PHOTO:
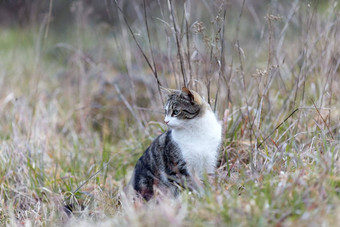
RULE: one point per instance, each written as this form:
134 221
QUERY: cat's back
160 161
153 155
146 166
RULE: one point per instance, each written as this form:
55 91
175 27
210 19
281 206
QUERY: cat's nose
166 122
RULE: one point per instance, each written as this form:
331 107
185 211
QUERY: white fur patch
199 140
167 107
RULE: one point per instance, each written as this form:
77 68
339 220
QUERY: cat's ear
187 92
194 96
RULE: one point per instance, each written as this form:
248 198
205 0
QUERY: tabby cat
188 149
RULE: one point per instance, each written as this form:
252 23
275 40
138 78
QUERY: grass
79 107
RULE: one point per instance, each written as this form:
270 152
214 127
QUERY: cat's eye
175 112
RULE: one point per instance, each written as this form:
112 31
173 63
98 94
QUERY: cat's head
182 107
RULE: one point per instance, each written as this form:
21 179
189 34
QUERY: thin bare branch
258 146
323 119
179 47
187 6
138 45
222 60
151 51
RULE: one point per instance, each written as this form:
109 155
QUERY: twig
244 87
87 180
331 89
209 72
306 58
222 66
228 81
127 104
152 56
138 45
179 49
239 19
187 15
323 119
258 146
302 69
48 18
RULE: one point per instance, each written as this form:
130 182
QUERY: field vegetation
81 99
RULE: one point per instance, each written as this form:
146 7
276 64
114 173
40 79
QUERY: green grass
54 139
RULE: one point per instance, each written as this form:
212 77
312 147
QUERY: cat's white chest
199 143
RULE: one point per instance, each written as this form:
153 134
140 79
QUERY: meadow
80 101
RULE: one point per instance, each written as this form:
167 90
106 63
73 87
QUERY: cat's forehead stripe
167 108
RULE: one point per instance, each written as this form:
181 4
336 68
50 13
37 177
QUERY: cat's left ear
186 91
167 91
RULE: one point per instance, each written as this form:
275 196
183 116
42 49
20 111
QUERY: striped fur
188 148
161 166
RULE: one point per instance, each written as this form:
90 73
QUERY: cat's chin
172 127
175 127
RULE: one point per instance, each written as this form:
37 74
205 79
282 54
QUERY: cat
188 149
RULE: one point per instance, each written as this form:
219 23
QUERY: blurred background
82 48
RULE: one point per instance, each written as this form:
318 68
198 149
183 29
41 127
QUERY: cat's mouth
169 124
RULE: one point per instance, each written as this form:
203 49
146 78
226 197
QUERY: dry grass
78 109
